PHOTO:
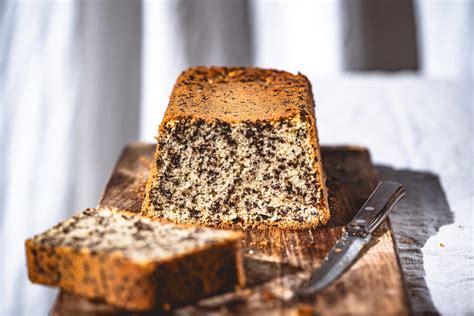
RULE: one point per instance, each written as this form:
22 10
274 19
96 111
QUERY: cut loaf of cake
238 148
135 263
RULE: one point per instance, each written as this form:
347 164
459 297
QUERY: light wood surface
277 262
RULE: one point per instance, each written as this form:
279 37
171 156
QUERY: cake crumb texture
135 263
238 148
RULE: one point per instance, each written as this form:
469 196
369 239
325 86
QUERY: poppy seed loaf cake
238 148
133 262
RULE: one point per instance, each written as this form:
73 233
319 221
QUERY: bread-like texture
135 263
258 119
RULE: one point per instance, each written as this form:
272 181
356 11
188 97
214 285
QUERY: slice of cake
238 147
133 262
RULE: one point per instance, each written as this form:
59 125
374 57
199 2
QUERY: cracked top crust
237 94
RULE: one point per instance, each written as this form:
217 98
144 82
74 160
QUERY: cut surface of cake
238 148
134 262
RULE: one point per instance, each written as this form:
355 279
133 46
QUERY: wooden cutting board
278 261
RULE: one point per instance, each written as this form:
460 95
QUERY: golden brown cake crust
236 94
244 94
139 285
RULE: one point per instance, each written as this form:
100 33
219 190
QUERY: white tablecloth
426 128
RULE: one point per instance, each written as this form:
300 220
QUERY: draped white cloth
70 93
38 152
80 79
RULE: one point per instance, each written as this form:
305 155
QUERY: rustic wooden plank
417 217
126 186
278 261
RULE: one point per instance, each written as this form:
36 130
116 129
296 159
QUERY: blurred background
79 79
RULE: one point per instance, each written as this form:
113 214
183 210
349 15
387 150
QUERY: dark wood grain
278 261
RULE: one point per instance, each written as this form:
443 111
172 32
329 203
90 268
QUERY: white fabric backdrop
446 38
71 85
38 126
70 94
